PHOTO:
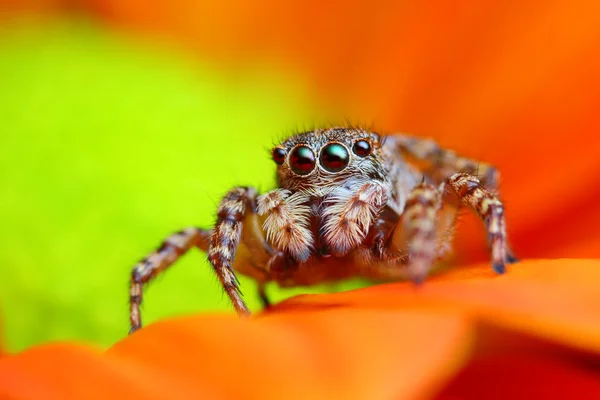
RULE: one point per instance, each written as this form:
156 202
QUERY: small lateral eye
302 160
278 155
334 157
362 148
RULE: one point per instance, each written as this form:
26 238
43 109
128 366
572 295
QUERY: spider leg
225 239
276 263
421 237
147 269
237 207
472 193
264 299
419 226
439 163
417 233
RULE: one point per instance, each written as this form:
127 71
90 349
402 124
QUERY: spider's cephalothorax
348 203
320 160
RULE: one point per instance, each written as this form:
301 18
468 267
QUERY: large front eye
302 160
334 157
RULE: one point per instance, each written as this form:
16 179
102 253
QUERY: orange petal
70 371
350 345
326 354
557 300
321 355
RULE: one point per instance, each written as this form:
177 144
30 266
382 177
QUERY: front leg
225 239
349 214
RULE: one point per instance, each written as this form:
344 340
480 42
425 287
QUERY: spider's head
325 158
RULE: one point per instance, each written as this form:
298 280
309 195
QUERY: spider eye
362 148
334 157
302 160
278 155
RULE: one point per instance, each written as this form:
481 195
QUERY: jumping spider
348 203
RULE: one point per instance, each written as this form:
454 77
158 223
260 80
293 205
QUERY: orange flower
534 332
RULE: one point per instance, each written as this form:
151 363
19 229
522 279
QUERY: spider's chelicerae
348 203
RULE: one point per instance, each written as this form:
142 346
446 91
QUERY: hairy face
326 158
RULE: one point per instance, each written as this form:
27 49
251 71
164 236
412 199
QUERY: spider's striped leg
419 229
420 238
225 239
441 163
471 192
169 251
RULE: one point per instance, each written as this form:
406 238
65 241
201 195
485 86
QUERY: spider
348 203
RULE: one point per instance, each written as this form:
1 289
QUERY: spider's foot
133 329
500 267
417 274
511 259
418 280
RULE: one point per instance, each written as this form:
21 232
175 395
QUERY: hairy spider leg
421 237
225 238
147 269
419 229
440 163
237 207
472 193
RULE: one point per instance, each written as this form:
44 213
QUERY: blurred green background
106 148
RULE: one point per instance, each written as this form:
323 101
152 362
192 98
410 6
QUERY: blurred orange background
514 83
